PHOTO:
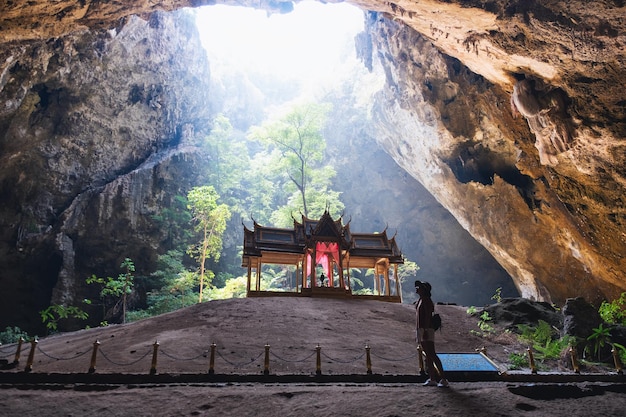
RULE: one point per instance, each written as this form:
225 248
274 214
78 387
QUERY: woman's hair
425 286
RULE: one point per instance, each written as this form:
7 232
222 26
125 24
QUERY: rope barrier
394 360
78 355
203 354
239 365
344 362
367 353
293 360
7 348
122 364
6 355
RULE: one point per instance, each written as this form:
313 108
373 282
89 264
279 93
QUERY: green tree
407 270
229 161
173 220
118 288
210 221
54 313
296 145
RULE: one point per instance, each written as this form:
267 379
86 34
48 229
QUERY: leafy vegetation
599 337
614 312
12 335
56 312
518 360
117 288
294 146
483 323
497 296
544 341
210 220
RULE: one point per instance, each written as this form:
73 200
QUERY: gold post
420 360
318 366
531 359
618 363
368 360
266 369
155 349
212 360
18 352
31 355
92 366
574 355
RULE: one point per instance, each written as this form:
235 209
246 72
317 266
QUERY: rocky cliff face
97 136
511 113
508 113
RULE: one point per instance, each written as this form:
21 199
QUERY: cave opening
305 48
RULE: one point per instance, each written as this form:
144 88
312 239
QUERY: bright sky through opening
310 42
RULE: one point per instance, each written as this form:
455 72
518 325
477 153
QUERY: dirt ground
292 329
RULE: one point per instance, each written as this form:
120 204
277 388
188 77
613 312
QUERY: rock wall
97 135
541 192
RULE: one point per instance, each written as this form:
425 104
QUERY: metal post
531 359
18 352
420 360
212 360
574 356
318 366
155 349
266 369
92 366
368 360
618 363
31 355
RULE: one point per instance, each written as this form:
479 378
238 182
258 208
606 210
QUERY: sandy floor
293 328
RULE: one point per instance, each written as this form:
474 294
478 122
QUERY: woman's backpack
436 321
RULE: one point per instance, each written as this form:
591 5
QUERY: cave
504 121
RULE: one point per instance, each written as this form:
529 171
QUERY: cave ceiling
511 113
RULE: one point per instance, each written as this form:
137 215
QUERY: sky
310 41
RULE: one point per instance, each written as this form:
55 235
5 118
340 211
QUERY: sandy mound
292 327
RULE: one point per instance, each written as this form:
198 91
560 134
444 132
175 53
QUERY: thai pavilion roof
304 233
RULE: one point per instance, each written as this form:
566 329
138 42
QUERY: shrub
12 335
543 339
614 312
518 360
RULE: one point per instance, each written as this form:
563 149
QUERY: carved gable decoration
327 228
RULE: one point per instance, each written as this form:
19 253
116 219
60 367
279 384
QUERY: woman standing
425 335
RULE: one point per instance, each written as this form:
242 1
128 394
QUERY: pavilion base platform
325 292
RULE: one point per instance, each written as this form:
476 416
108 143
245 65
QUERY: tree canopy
295 146
209 220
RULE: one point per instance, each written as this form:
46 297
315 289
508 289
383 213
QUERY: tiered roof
294 241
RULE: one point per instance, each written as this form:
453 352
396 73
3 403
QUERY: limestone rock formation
542 192
94 142
511 113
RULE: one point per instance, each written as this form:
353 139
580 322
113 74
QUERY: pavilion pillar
347 260
249 276
387 288
298 277
314 267
342 283
329 268
395 275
